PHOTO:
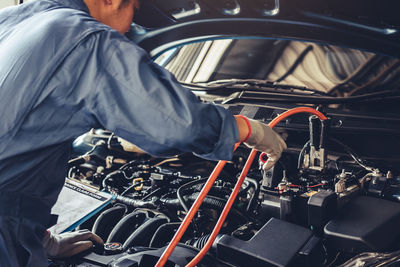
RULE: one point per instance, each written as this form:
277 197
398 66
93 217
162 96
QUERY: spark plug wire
196 205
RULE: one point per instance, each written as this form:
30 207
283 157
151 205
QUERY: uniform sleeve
143 103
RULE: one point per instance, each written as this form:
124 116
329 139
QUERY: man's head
117 14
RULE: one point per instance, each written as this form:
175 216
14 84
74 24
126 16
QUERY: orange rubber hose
196 205
189 216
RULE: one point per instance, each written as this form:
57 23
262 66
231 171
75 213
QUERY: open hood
346 52
363 24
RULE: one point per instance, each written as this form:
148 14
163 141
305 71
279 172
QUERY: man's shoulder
55 16
67 19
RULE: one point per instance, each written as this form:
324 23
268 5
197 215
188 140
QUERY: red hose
178 235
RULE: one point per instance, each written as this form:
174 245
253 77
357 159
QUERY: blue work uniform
62 73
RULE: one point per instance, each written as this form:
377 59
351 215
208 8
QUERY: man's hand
262 138
68 244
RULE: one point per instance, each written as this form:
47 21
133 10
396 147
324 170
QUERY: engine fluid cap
112 248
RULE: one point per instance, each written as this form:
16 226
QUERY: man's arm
145 104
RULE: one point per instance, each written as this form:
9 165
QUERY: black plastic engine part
180 257
137 228
93 259
107 221
377 186
384 187
292 208
142 236
164 234
286 208
126 226
322 207
278 243
312 253
364 224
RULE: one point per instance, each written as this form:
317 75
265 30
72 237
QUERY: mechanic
66 67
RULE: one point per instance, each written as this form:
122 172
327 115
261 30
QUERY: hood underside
368 25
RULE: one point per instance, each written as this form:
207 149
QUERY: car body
333 195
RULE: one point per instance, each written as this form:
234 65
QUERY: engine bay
322 204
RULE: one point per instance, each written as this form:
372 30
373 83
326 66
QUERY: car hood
362 24
364 34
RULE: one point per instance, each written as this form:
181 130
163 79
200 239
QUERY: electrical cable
301 155
317 185
109 141
152 194
131 187
183 187
353 155
193 210
166 161
111 174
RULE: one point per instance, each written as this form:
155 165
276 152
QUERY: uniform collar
74 4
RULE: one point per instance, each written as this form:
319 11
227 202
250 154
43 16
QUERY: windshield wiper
262 91
250 85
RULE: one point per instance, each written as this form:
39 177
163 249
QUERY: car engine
323 204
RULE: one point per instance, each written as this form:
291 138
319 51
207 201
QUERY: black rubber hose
179 192
209 201
110 175
137 203
155 192
254 197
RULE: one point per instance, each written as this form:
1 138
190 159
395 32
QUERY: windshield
329 69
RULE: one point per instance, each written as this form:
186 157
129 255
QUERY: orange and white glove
265 139
70 243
